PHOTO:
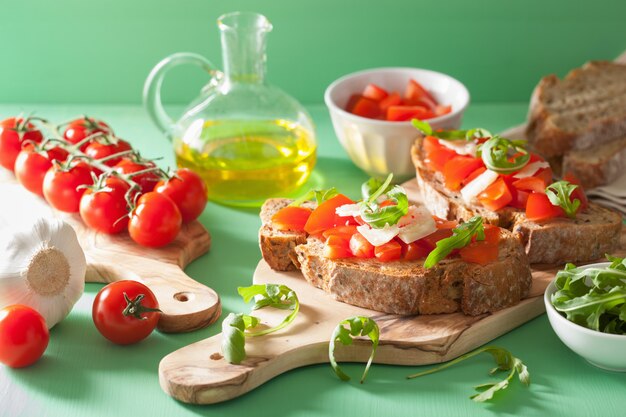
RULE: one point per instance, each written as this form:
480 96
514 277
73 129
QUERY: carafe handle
152 87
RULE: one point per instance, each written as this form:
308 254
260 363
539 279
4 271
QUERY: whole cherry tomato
147 180
79 129
62 186
24 336
187 191
105 208
125 312
32 164
102 149
155 221
14 131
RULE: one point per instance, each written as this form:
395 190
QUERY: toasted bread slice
584 110
598 166
589 236
406 287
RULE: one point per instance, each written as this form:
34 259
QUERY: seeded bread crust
588 237
407 288
586 109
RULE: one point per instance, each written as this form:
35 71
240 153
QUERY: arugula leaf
319 195
505 361
477 133
233 336
461 237
422 126
378 217
467 135
358 326
504 156
373 185
559 194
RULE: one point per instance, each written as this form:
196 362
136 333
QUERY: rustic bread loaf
597 166
589 236
584 110
406 287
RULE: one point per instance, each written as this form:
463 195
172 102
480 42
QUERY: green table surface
82 374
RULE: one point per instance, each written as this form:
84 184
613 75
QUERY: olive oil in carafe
245 162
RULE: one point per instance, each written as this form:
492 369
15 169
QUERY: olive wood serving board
198 374
186 304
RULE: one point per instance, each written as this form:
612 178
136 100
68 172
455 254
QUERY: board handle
186 304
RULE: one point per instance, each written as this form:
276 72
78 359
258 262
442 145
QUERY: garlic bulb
43 267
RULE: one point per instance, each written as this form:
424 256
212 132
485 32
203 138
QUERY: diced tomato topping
492 234
360 246
520 199
546 175
496 196
442 110
432 239
458 168
390 251
534 158
291 218
539 208
374 92
483 251
324 217
336 247
445 224
344 231
436 154
471 177
405 113
416 250
416 91
535 184
392 99
366 107
578 193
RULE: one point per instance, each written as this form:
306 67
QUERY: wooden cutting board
186 304
198 374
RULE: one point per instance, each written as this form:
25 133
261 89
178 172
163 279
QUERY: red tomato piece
436 154
480 252
405 113
442 110
392 99
416 91
361 247
417 250
14 131
539 208
336 247
471 177
24 336
106 210
155 221
535 184
458 168
345 231
188 191
496 196
63 187
578 193
32 165
374 92
364 107
291 218
324 216
432 239
390 251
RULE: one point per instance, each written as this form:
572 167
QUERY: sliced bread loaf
586 109
597 166
589 236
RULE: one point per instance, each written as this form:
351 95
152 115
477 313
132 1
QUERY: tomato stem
136 309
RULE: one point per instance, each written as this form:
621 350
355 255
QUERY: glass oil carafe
248 140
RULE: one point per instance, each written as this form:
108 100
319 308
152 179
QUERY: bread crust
586 238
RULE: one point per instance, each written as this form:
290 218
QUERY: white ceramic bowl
606 351
379 147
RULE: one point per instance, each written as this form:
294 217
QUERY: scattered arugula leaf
373 185
477 133
235 327
358 326
461 237
504 156
505 361
319 195
422 126
467 135
559 193
378 216
594 297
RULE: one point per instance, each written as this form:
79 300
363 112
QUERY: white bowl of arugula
586 307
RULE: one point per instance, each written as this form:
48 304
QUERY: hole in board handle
183 297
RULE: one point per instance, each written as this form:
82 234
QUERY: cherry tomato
336 247
390 251
106 210
287 218
32 164
147 181
99 150
62 186
24 336
155 221
79 129
189 193
361 247
14 131
125 312
324 216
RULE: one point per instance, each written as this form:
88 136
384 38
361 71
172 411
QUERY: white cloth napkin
611 195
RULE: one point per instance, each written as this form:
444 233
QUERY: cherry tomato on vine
105 208
62 186
125 312
14 131
79 129
32 164
24 336
99 150
187 191
147 180
155 221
